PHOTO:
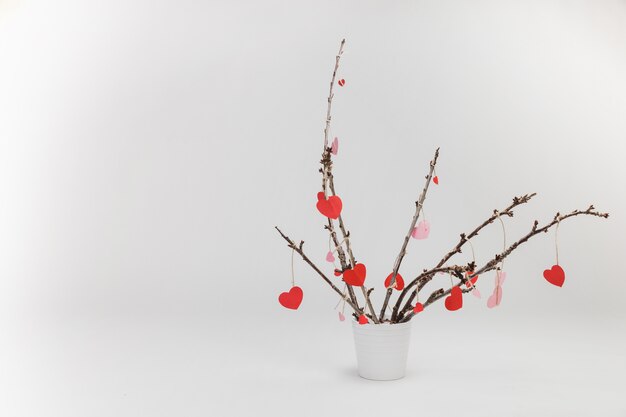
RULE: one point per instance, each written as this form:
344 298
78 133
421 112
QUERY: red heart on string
418 308
291 299
455 300
337 273
363 319
436 180
330 207
341 82
399 284
472 280
555 275
355 276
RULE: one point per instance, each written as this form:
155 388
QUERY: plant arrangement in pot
382 335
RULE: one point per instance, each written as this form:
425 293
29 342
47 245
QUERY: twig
508 211
300 251
418 208
492 264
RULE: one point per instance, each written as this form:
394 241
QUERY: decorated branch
347 277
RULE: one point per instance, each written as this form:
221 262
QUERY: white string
503 237
556 239
293 279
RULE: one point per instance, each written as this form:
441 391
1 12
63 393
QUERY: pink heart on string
476 293
334 148
330 257
495 298
341 316
422 230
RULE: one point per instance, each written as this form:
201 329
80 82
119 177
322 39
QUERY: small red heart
472 280
337 273
330 207
291 299
436 180
363 319
398 285
341 82
455 300
555 275
355 276
418 307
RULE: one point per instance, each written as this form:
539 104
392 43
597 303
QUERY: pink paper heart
422 230
495 298
476 293
341 316
334 147
330 257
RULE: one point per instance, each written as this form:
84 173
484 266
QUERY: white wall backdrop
147 150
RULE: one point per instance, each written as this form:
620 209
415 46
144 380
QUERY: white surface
148 148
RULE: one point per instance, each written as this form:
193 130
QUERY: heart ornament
355 276
422 230
555 275
398 285
330 257
291 299
334 147
363 319
419 307
329 207
454 301
341 316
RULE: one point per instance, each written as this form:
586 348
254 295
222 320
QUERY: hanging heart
291 299
341 316
476 293
330 207
334 147
500 277
455 300
330 257
471 281
495 298
337 273
436 180
422 230
555 275
341 82
399 284
355 276
419 307
363 319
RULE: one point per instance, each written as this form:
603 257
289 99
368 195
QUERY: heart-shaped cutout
330 207
495 298
419 307
398 285
355 276
454 301
291 299
341 316
337 273
363 319
341 82
436 180
500 277
476 293
334 147
422 230
470 282
555 275
330 257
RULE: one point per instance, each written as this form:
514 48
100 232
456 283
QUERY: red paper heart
363 319
330 207
455 300
341 82
472 280
399 284
355 276
337 273
555 275
418 307
291 299
436 180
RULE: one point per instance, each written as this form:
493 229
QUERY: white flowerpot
382 349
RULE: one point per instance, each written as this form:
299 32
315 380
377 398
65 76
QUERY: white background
147 149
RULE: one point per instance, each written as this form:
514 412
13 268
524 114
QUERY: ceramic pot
382 349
